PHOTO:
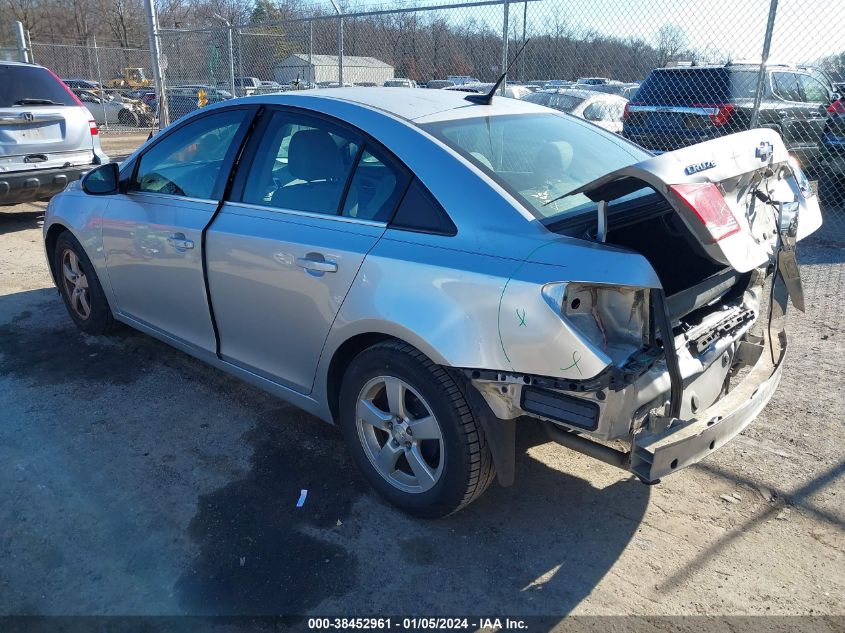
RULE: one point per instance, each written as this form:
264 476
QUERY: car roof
420 106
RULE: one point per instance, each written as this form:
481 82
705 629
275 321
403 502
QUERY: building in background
323 68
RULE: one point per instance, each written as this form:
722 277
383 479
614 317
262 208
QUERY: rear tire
411 431
80 287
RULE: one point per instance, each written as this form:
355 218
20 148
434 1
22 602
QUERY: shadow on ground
539 547
12 221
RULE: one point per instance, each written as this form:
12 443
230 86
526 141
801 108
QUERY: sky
805 30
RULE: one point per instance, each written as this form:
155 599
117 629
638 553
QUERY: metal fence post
23 53
339 42
100 81
340 51
158 75
240 55
231 60
505 10
522 76
761 77
311 79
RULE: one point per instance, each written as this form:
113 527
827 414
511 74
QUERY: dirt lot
136 480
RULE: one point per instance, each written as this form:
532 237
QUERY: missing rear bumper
670 444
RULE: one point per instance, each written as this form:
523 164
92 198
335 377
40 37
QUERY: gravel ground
136 480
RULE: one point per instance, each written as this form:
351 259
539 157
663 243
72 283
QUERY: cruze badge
689 170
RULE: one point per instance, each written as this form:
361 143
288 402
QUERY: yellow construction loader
132 78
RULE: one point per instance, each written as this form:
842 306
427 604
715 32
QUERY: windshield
538 157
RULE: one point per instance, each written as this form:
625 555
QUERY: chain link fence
113 82
663 73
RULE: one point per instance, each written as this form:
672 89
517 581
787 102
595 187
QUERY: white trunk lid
754 176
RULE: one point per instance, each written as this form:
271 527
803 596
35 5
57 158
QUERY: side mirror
102 181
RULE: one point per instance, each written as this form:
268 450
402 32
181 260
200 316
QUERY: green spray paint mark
521 317
502 296
576 358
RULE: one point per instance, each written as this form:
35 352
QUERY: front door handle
180 242
320 265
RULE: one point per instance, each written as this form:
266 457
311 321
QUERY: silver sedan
431 272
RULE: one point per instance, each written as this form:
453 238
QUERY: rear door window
786 86
302 163
376 187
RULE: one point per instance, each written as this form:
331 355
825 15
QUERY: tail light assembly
709 205
718 113
837 107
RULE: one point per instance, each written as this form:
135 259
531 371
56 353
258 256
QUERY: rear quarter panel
469 310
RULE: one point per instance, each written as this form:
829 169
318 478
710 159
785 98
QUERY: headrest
553 159
313 155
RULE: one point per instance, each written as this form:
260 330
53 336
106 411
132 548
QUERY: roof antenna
488 98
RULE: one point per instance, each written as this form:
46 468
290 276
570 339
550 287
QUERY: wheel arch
50 239
501 434
341 359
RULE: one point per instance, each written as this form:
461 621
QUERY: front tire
412 433
80 287
126 117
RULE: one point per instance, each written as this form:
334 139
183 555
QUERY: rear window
694 86
29 85
539 158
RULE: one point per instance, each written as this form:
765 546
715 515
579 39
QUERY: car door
152 233
310 199
792 110
816 98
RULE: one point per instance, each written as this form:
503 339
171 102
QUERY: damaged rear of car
652 377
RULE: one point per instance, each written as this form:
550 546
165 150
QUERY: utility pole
158 75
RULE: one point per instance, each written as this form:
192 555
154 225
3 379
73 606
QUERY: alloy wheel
400 435
76 284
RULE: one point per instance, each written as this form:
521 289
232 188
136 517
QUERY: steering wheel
156 183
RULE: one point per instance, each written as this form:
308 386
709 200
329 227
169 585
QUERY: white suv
47 137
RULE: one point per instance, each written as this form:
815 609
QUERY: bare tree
671 41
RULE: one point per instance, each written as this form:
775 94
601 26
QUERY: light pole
231 52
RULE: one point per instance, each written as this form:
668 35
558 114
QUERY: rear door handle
180 242
311 262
